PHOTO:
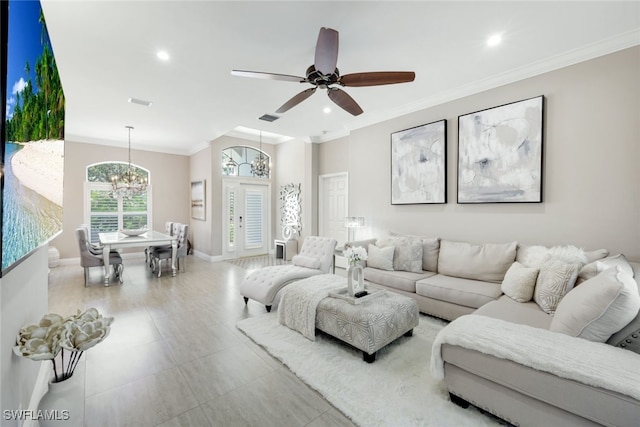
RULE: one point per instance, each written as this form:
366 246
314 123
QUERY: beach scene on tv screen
34 138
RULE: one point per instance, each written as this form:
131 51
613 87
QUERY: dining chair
181 231
89 258
169 229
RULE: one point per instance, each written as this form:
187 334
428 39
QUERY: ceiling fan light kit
324 74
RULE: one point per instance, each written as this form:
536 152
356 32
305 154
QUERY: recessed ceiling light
163 55
326 110
494 40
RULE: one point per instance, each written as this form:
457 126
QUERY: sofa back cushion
487 262
599 307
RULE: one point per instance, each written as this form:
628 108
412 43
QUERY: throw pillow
381 258
599 307
555 279
569 254
596 255
519 282
306 261
430 250
408 252
531 256
593 268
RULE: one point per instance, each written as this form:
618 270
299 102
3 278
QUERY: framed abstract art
500 153
419 164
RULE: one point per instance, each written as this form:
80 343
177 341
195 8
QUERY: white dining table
116 240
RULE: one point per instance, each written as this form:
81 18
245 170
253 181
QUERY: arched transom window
236 161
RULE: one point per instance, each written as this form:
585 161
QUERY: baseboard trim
210 258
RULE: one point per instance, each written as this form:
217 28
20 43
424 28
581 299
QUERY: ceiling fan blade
344 101
326 51
377 78
296 100
268 76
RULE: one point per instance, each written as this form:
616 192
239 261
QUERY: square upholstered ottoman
369 325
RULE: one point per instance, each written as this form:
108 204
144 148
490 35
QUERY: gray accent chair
158 253
315 257
92 257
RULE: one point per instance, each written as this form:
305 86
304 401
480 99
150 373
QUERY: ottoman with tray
368 323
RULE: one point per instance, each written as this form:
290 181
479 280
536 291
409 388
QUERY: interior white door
245 219
334 206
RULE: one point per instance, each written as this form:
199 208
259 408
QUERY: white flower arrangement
355 254
55 334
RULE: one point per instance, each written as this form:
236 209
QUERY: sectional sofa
538 336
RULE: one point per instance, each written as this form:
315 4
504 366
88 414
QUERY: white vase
355 279
62 404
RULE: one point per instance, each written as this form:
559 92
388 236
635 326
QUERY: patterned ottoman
370 325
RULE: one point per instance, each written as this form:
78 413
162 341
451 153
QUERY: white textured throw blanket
299 301
591 363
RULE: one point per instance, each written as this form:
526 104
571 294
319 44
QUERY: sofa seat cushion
402 280
527 313
466 292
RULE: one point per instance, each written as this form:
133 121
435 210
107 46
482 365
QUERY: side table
339 251
285 249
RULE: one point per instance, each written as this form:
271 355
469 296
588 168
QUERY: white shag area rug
396 390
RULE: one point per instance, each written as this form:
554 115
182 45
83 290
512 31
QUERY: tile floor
174 356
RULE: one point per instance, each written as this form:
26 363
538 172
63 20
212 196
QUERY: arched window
106 211
236 161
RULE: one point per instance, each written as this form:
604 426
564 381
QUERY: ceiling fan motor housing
315 77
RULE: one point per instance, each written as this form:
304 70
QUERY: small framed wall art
500 153
197 200
419 164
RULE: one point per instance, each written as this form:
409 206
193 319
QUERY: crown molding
566 59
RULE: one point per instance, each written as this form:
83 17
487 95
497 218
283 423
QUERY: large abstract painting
419 164
500 154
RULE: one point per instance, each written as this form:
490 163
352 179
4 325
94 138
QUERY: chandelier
260 166
128 184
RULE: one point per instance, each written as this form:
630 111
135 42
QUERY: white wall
24 300
200 168
591 164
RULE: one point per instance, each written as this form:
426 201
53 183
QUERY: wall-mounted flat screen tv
32 134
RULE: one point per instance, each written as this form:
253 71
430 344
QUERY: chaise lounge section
264 284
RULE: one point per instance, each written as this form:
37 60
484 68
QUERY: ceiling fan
323 74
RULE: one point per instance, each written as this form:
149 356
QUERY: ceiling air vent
140 102
269 117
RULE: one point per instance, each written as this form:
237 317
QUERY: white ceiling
106 53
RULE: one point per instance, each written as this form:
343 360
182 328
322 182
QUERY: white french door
245 225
